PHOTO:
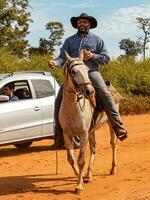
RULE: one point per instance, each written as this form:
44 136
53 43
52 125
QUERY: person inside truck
8 90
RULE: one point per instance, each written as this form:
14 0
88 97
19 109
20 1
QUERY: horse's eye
73 72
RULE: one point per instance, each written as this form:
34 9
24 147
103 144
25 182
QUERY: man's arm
61 58
102 56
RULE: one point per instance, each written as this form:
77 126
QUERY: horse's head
76 76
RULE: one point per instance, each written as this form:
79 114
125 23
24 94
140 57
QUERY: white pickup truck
32 116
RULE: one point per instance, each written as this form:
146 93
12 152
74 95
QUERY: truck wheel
23 146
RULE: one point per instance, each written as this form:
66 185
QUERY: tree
130 47
144 25
33 51
14 24
56 33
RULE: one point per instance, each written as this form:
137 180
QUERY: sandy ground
31 174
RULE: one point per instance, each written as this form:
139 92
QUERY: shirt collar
87 35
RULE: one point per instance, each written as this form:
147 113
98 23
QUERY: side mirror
4 98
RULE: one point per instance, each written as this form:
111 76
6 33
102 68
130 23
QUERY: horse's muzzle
89 91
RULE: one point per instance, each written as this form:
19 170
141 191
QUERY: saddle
98 107
121 133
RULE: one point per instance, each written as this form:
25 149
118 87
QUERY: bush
10 63
130 78
7 62
135 105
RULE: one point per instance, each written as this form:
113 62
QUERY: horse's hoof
112 172
78 191
87 179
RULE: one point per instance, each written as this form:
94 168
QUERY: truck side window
43 88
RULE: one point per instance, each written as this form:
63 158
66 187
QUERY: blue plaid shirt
90 42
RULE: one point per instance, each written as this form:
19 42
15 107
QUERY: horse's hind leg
113 142
92 145
70 154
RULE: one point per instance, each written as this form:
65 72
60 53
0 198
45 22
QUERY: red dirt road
30 174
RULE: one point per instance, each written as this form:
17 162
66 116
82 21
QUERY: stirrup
120 132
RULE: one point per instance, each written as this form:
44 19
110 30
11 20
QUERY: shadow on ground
30 183
9 152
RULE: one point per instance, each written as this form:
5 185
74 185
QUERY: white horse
76 117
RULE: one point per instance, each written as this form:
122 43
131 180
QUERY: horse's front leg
113 142
70 153
81 161
92 145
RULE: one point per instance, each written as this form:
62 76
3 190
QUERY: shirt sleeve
62 57
14 98
102 56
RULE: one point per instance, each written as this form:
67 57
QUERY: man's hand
52 64
87 55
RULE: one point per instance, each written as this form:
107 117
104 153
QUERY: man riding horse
95 54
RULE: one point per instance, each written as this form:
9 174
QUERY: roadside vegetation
132 80
129 77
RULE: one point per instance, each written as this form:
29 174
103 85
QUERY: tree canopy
133 48
130 47
47 46
14 24
144 25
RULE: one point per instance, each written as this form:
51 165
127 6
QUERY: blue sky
116 19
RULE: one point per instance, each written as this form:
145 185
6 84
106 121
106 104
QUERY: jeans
104 96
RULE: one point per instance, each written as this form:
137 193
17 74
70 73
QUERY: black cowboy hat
91 19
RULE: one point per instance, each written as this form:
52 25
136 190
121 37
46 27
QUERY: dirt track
30 174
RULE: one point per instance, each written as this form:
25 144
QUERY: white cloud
80 5
77 4
123 21
56 5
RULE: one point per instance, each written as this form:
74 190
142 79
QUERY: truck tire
23 146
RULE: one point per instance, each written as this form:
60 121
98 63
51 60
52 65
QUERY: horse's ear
81 55
68 58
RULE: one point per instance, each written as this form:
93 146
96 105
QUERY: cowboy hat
91 19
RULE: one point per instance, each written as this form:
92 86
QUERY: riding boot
105 99
120 132
58 139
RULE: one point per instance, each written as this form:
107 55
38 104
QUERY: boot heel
120 132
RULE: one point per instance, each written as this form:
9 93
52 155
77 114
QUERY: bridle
76 85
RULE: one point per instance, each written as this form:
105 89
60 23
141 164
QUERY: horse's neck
68 91
69 96
77 111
